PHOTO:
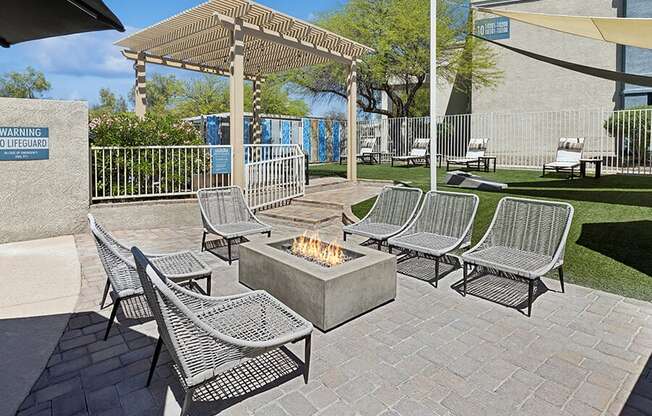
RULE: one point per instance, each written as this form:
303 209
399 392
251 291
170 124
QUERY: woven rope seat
527 238
444 223
206 336
225 213
121 271
392 211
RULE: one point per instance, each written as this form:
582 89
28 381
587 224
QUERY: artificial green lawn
610 242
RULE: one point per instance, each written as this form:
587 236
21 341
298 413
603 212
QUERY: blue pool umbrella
24 20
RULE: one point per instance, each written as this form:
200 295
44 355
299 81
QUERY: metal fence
528 140
273 173
119 173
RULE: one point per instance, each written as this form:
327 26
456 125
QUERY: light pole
433 95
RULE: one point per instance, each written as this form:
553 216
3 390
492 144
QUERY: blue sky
77 66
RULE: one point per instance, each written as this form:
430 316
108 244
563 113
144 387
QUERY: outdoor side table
596 162
184 267
486 160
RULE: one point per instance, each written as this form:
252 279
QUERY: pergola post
352 123
236 96
140 91
255 125
433 95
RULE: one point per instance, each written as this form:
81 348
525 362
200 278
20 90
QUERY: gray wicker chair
121 271
224 212
526 240
206 336
444 224
390 214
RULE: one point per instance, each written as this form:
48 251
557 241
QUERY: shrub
632 131
126 129
123 172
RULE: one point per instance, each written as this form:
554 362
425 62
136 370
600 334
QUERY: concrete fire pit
326 296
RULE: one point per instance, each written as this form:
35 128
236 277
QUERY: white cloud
85 54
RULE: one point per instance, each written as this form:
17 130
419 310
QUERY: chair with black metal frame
225 213
444 224
122 276
525 240
207 336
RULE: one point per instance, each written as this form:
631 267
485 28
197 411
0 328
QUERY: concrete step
307 215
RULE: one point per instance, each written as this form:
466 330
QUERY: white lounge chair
569 153
366 153
420 154
475 151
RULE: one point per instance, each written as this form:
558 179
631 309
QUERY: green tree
163 92
206 95
109 104
275 99
399 32
210 94
27 84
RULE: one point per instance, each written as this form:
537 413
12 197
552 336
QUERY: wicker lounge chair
474 154
526 240
224 212
420 154
569 153
206 336
121 271
444 223
366 154
391 213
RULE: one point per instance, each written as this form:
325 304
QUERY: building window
637 60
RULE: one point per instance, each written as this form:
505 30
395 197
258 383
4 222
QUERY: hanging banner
24 143
496 28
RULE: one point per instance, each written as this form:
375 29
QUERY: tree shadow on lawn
629 243
615 182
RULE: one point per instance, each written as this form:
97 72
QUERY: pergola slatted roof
273 41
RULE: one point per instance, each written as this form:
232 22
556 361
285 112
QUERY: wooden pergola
244 41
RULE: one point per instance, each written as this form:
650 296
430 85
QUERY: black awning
24 20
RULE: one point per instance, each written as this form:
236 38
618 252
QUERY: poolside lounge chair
526 240
206 336
121 271
366 154
391 213
420 154
474 153
224 212
444 223
569 153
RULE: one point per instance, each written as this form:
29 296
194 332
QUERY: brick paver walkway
430 352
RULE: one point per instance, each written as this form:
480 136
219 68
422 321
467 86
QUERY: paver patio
430 352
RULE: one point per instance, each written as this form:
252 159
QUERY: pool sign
24 143
496 28
221 160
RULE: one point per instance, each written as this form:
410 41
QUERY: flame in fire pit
313 249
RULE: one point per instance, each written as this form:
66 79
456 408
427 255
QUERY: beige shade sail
624 31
